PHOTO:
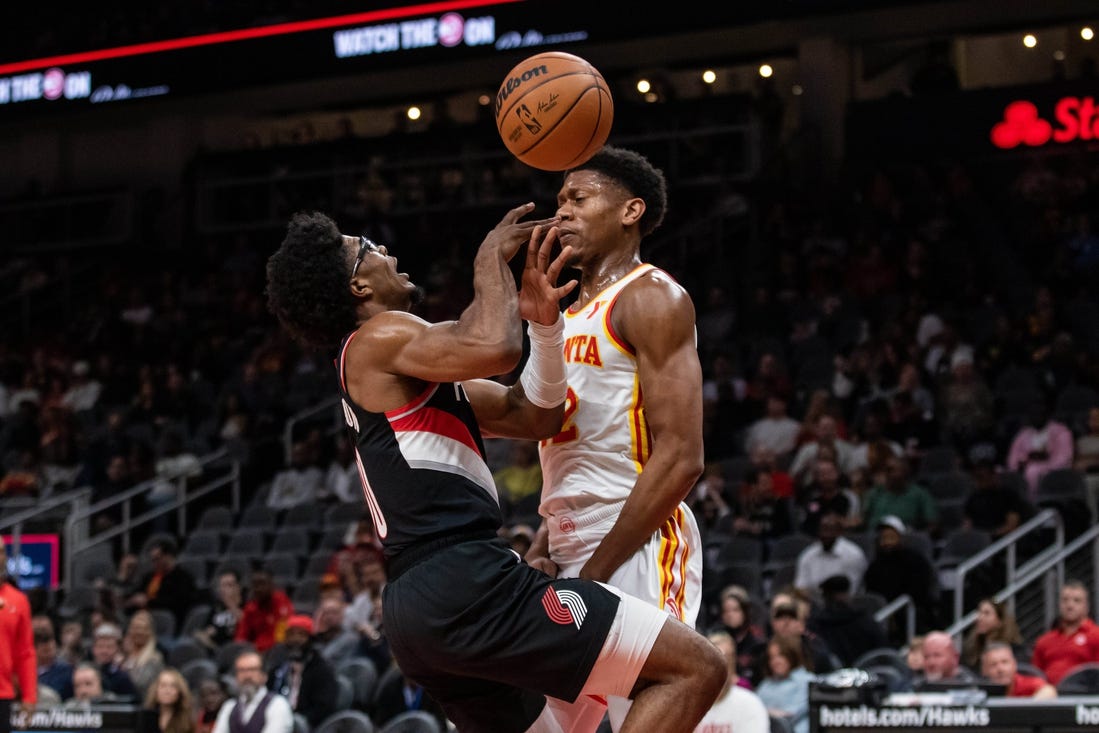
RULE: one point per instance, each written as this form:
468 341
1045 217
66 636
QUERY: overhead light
766 71
1058 55
484 100
709 76
1029 40
796 90
644 86
414 113
1087 33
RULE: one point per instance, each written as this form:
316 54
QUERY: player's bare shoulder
653 305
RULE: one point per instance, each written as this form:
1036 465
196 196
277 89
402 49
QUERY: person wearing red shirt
1074 640
17 657
263 620
998 665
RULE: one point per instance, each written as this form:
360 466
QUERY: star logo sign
1021 126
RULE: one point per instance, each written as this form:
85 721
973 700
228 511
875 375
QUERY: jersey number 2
569 431
380 527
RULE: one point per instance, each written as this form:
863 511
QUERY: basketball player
488 636
616 476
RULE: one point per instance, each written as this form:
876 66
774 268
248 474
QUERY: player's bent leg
681 679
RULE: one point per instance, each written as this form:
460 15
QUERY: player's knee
711 670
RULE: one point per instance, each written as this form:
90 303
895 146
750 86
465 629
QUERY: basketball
554 111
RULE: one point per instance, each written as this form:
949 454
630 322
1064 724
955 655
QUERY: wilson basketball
554 111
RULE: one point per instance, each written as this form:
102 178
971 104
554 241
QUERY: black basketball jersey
422 466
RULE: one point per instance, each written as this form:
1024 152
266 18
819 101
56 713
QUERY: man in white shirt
737 709
832 554
256 709
776 431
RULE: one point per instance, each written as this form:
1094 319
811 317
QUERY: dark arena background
885 212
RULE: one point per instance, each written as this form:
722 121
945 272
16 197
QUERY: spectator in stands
785 688
757 511
53 671
825 495
748 638
303 675
107 655
255 707
782 484
872 447
998 664
825 434
364 585
707 502
897 569
87 687
520 481
83 390
167 585
737 707
225 612
991 506
142 660
776 431
909 427
831 554
966 404
790 611
299 483
397 694
723 405
211 696
333 640
263 620
995 624
1086 459
342 481
1041 446
849 631
170 696
1073 640
941 662
74 648
900 497
913 658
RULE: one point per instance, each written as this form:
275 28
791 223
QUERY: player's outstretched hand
539 295
508 236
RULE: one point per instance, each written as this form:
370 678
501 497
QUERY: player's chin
416 294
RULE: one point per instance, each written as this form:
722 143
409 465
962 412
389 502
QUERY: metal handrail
1052 558
1008 542
15 522
77 538
905 602
301 416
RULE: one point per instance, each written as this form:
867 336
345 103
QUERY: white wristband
543 377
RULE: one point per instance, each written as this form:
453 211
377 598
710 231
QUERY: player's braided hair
637 175
308 282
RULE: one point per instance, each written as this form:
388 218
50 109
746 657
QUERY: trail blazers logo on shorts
564 607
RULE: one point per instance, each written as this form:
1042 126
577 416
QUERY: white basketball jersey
604 441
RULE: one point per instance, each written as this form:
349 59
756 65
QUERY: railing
305 415
77 499
901 602
78 537
1009 543
1052 558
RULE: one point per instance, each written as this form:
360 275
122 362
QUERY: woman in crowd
785 689
736 619
143 661
211 696
171 698
994 623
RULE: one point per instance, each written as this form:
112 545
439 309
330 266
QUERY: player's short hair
638 176
308 281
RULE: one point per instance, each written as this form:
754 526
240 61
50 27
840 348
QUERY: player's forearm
492 318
